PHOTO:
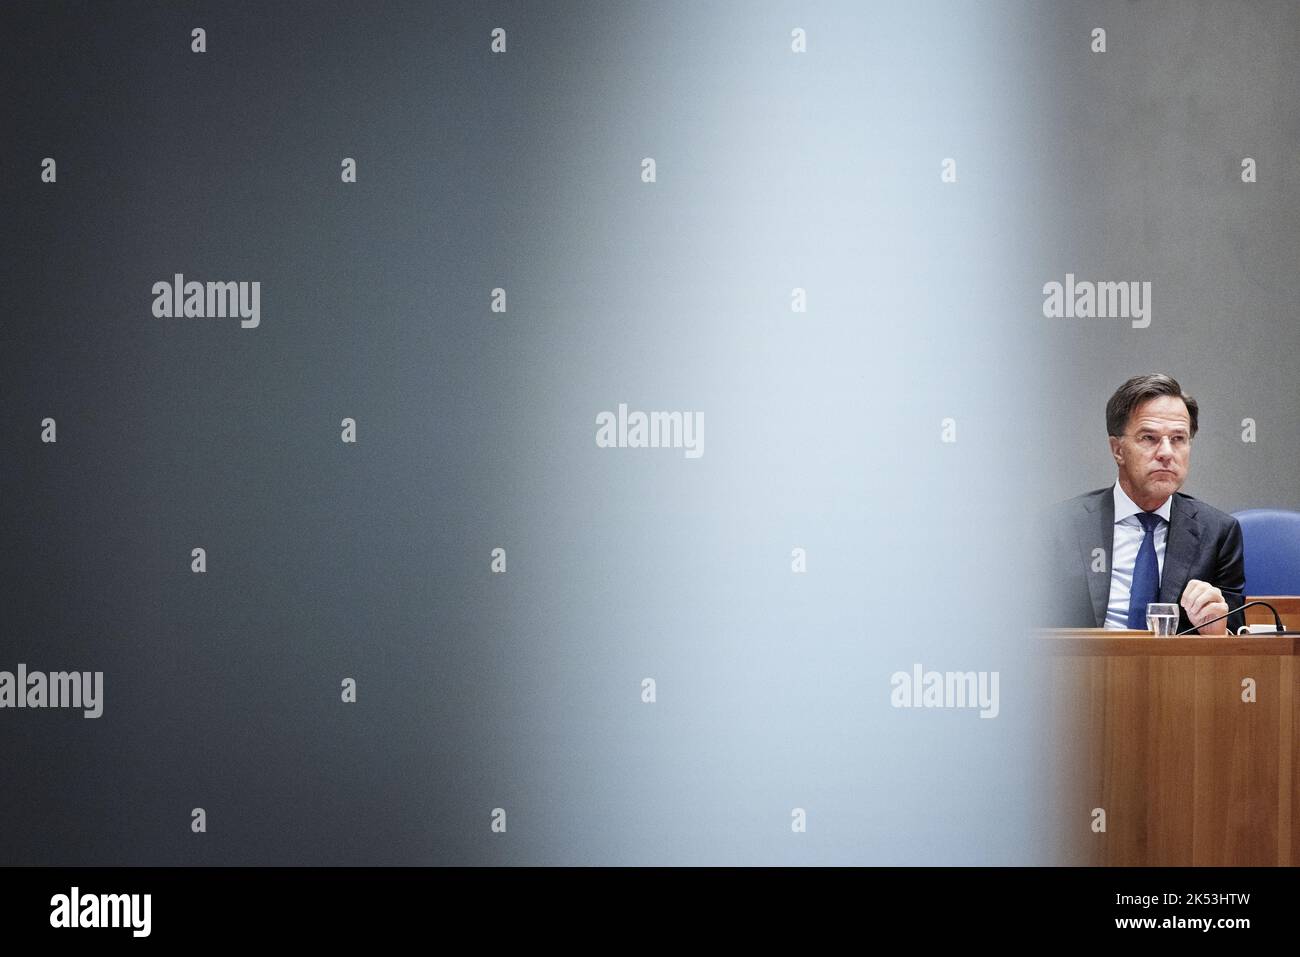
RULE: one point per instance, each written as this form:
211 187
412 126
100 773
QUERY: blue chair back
1271 540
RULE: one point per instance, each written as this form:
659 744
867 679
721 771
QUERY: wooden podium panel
1288 609
1155 732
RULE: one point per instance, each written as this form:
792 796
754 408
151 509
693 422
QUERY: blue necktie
1146 574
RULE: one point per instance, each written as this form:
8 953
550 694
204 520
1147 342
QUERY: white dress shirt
1128 539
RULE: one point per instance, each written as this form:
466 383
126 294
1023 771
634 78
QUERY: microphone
1277 619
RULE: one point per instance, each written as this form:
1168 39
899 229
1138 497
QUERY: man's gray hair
1139 389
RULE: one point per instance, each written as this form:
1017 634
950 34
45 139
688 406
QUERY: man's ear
1116 450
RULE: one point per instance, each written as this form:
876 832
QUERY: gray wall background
821 430
1151 184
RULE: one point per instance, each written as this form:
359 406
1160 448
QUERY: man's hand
1203 601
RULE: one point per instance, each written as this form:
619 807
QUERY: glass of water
1162 619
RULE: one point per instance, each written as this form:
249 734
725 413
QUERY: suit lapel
1181 548
1095 528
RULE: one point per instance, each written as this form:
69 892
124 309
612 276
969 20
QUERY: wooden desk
1155 732
1288 609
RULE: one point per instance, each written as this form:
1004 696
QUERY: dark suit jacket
1203 543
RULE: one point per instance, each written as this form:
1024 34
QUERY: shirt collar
1125 507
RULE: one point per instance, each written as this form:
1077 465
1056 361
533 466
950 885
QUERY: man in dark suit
1116 549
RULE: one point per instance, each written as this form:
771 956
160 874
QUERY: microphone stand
1277 619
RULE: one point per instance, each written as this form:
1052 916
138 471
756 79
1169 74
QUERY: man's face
1153 455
